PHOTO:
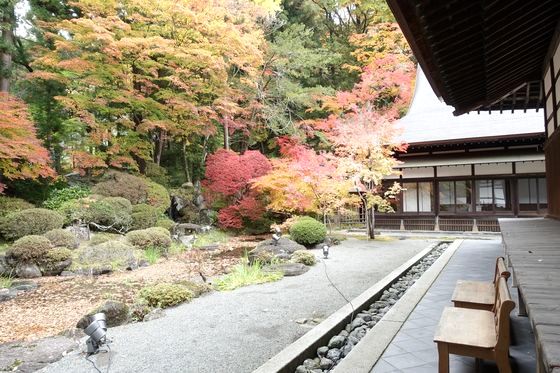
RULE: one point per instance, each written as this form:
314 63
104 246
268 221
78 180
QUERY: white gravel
238 331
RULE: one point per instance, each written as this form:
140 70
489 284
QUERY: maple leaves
228 179
21 154
139 74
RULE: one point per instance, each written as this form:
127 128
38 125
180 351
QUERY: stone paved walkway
413 350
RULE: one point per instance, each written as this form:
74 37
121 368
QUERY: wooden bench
479 295
477 333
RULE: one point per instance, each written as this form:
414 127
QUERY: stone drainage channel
339 346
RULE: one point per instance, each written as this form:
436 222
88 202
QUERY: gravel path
238 331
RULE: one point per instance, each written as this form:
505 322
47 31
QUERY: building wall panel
410 173
493 169
446 171
529 167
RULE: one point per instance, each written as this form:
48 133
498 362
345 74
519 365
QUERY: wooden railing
443 224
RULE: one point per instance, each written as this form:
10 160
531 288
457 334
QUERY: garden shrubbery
304 257
308 231
114 212
165 295
12 204
50 263
144 216
29 222
155 237
62 238
29 248
135 189
165 223
59 196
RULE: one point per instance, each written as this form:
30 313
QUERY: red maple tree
227 180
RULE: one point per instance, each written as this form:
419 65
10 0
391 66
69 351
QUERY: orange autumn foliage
22 156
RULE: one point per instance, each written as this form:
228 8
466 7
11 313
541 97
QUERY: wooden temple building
461 173
499 56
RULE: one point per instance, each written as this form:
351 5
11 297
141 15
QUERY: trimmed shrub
30 222
120 184
165 223
55 261
119 203
144 216
108 212
59 196
308 231
152 237
12 204
135 189
165 295
29 248
62 238
158 197
303 257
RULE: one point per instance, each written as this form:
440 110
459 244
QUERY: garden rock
27 270
55 269
325 363
284 246
5 268
115 312
337 341
290 269
322 351
100 259
334 354
6 294
23 285
154 314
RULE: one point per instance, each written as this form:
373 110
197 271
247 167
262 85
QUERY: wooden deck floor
533 252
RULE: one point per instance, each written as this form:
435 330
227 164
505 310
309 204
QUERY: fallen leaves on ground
59 302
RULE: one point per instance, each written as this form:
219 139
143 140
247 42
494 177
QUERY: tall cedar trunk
370 222
8 41
186 162
226 135
161 141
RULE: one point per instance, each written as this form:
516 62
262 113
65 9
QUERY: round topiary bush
62 238
144 216
308 231
120 184
155 237
136 189
12 204
55 261
303 257
165 223
109 212
30 222
166 295
29 249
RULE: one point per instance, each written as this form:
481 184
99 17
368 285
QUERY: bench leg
502 361
443 352
521 301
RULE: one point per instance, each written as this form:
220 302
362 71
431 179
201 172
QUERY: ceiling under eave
481 55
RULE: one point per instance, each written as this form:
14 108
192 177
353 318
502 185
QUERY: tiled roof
431 120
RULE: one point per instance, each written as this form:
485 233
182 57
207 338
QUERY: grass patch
211 238
6 282
177 248
245 274
152 254
4 246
